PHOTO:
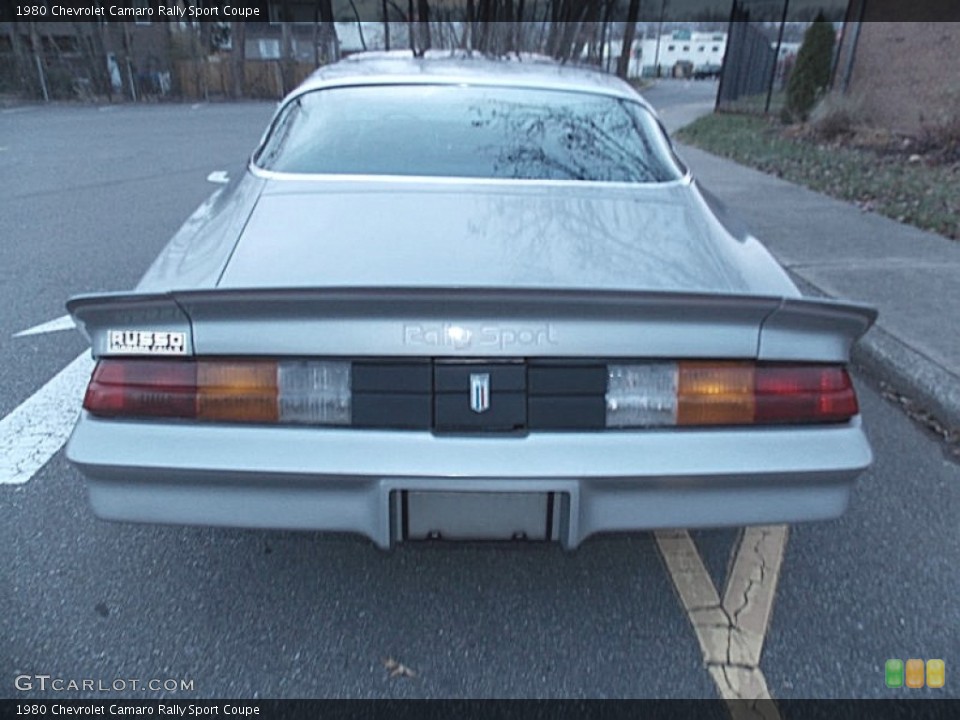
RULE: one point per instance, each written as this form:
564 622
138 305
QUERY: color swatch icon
936 673
894 673
914 673
911 674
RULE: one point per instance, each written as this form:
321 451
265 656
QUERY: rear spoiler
465 322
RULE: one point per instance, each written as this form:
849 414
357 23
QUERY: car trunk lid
482 234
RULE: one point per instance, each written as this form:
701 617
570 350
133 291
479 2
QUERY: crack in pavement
731 632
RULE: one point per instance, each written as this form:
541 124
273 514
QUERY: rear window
472 132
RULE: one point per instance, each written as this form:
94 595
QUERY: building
899 61
680 49
683 48
263 39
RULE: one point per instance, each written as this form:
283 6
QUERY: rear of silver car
420 453
467 300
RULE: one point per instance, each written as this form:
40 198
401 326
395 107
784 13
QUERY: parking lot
92 194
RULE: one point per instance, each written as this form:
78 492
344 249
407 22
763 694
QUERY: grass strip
907 189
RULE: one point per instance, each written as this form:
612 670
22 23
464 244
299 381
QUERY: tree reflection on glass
597 139
469 132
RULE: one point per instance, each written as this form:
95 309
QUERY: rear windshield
472 132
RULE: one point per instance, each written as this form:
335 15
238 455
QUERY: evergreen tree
811 74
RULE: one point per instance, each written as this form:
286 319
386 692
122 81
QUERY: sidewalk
911 276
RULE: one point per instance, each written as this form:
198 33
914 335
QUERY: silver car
467 299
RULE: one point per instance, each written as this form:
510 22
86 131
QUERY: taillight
804 394
312 392
727 393
153 388
652 394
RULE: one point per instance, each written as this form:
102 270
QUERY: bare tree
19 57
286 49
411 34
423 18
128 59
386 24
356 14
331 44
238 36
39 61
629 33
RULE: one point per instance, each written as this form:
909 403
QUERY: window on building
686 47
701 48
715 49
671 48
269 48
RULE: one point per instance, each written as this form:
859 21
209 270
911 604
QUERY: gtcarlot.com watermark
52 683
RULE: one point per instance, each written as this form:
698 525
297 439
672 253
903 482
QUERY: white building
699 49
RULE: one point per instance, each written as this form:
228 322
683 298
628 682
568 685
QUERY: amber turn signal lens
712 393
237 391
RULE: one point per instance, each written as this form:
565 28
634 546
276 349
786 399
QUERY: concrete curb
913 374
886 357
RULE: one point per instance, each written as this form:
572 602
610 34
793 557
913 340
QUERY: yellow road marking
731 632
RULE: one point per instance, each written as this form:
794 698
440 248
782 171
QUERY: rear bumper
347 480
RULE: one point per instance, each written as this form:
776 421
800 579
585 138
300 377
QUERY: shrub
837 115
811 74
940 136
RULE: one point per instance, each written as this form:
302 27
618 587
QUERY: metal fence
753 80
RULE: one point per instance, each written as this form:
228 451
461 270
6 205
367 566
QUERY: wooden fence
213 78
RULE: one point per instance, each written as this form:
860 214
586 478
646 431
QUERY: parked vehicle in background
707 72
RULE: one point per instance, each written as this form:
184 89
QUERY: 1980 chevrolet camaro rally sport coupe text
467 299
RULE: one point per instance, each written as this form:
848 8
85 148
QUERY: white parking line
38 427
64 322
731 633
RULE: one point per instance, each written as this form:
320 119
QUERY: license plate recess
465 516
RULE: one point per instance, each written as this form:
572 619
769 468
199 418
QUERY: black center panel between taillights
515 396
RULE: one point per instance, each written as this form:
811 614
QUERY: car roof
401 67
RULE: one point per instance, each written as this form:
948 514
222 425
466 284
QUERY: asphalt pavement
92 195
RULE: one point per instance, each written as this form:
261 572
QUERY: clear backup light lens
642 395
314 392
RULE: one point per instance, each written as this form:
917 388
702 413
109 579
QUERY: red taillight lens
803 394
155 388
